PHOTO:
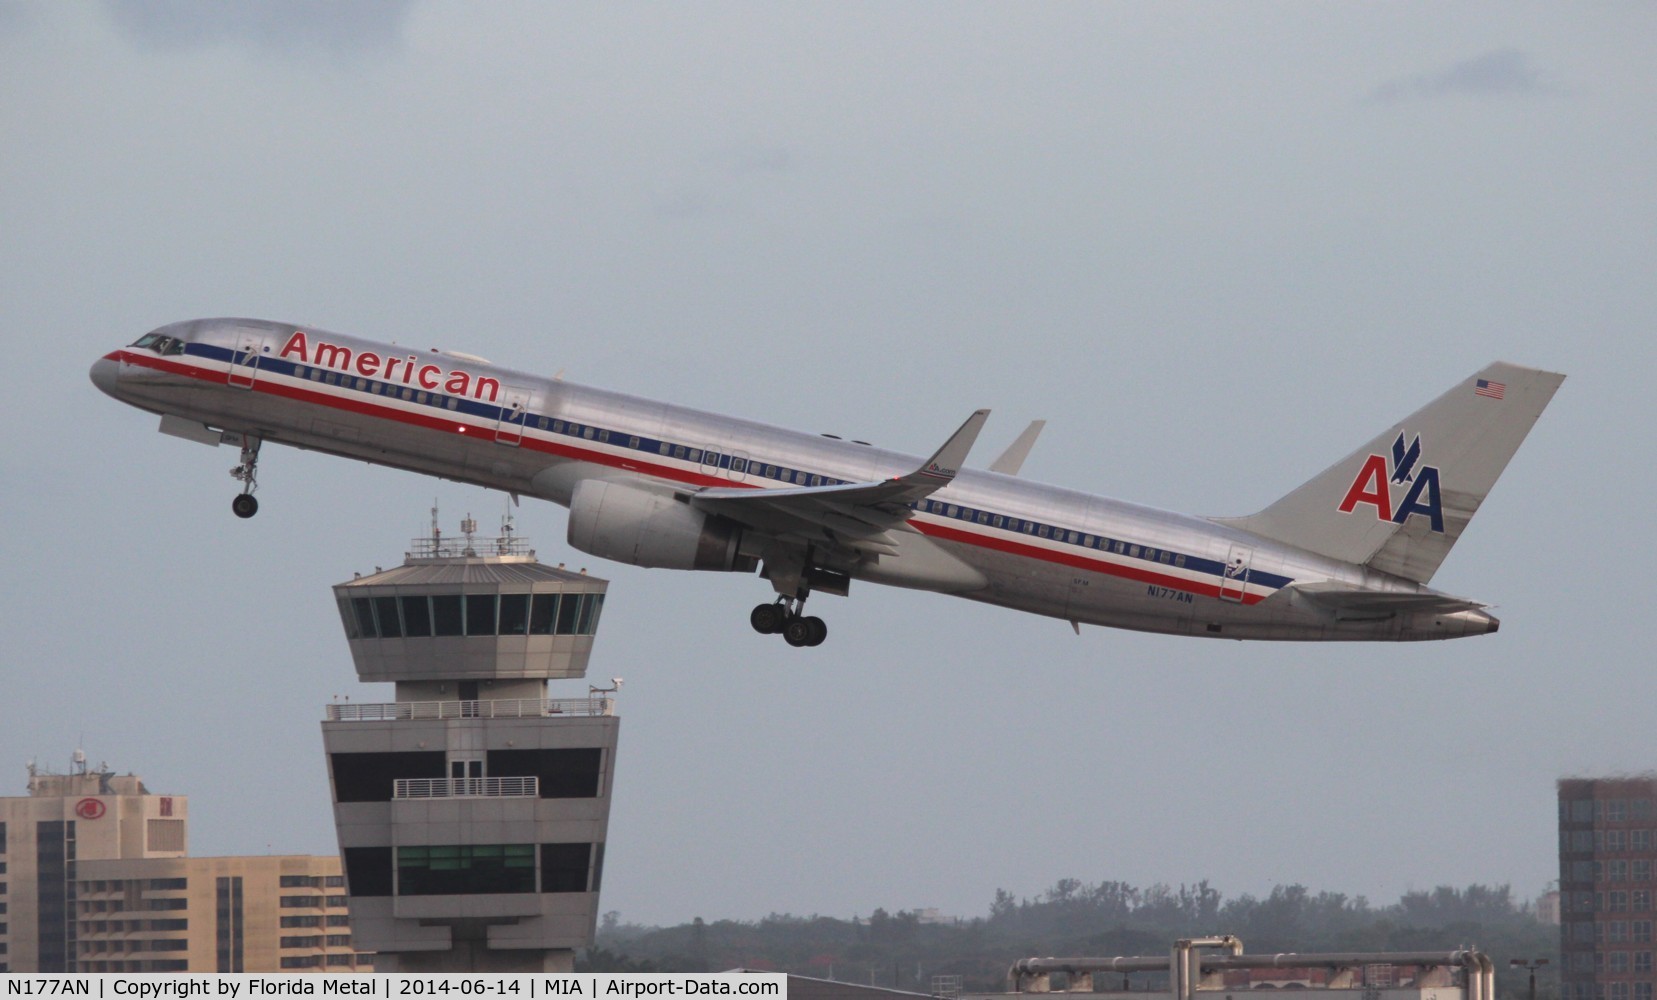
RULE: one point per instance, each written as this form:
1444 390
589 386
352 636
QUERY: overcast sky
1216 246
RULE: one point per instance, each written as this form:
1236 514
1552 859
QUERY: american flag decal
1485 387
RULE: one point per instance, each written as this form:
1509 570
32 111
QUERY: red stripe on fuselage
452 425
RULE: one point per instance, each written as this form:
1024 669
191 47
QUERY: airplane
1346 556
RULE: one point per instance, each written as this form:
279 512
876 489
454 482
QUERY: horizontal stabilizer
1346 601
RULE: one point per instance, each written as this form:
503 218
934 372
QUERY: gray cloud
1495 73
15 17
291 27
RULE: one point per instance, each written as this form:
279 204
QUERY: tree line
1076 918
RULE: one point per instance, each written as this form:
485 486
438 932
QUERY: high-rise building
94 877
1607 852
65 821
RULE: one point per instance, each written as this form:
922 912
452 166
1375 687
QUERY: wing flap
860 514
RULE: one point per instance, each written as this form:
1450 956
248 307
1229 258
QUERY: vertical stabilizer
1400 502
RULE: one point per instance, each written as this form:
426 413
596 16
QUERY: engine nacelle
651 529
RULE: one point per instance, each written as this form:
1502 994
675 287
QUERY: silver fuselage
1031 547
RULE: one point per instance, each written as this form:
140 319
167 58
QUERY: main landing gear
246 505
784 616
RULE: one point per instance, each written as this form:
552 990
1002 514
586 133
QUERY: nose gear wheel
247 473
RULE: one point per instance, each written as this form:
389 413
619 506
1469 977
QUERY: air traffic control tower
472 810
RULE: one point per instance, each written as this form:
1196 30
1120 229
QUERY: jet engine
651 529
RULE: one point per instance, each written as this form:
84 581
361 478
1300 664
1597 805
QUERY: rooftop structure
1219 965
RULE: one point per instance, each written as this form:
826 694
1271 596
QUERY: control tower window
590 604
417 617
446 614
349 617
569 612
365 617
455 869
385 609
565 867
480 614
542 613
514 614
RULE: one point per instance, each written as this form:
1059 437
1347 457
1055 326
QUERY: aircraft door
510 429
245 358
1234 578
737 470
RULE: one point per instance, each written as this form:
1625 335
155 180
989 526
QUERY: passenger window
1044 531
632 442
587 433
408 393
696 454
678 451
420 397
362 384
664 448
454 404
604 436
542 423
558 427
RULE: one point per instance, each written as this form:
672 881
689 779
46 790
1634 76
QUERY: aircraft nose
105 373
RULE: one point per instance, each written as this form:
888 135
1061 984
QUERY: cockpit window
160 343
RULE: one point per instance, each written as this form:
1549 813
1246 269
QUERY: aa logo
1377 479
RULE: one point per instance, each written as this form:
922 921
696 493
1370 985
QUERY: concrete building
1218 966
65 821
232 914
94 877
472 811
1607 854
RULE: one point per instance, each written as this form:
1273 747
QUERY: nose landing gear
246 505
783 615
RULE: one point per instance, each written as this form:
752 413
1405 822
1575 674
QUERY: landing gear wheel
819 631
798 632
768 619
245 505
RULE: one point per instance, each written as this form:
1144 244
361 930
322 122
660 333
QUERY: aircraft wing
1347 601
858 514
